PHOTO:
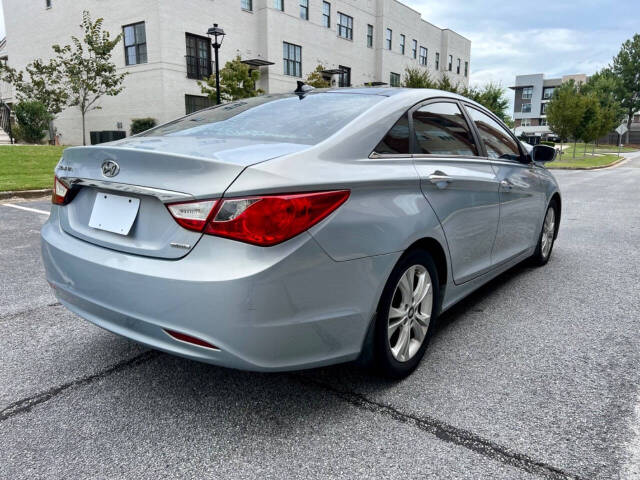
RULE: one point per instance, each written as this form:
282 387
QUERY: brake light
192 215
269 220
60 191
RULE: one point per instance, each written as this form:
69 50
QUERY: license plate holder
114 213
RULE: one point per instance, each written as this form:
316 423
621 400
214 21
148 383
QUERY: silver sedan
298 230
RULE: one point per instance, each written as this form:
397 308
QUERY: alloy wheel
410 313
548 231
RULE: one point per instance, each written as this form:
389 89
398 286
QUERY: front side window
135 43
450 66
441 129
292 59
394 79
344 79
278 5
396 141
527 93
423 56
414 49
437 61
326 14
388 38
274 118
246 4
526 108
345 26
370 36
497 141
402 40
304 9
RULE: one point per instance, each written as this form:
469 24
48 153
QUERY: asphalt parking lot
536 375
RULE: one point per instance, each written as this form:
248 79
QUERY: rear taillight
192 215
60 192
260 220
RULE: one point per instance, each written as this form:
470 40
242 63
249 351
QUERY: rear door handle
506 185
440 179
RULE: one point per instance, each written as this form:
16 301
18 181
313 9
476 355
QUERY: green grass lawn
604 155
24 167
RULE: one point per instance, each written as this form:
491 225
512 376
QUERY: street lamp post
216 32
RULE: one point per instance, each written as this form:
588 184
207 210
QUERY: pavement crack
448 433
26 404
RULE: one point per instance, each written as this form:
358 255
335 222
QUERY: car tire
547 236
397 350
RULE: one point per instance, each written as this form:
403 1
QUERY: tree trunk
84 139
575 147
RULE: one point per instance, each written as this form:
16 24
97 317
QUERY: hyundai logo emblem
110 168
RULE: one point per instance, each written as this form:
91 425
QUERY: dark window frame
450 65
437 60
344 78
198 67
369 35
135 45
458 65
304 9
403 40
248 7
396 76
424 59
48 3
388 39
290 64
466 69
278 5
414 48
346 29
326 14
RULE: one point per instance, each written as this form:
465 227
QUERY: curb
600 167
25 193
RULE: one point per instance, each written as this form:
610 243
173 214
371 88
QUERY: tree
40 82
237 81
604 85
139 125
417 78
565 111
445 84
589 125
32 120
491 96
626 66
316 79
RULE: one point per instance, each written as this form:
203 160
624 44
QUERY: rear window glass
397 139
274 118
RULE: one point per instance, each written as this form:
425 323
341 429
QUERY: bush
32 120
139 125
546 142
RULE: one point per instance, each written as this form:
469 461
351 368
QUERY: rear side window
396 141
496 139
441 129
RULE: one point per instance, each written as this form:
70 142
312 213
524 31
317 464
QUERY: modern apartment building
165 49
532 94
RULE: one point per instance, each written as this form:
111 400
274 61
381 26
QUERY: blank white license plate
114 213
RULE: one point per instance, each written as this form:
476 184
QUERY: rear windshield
274 118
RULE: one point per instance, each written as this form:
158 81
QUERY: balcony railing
198 68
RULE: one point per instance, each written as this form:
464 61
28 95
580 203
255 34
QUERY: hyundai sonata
297 230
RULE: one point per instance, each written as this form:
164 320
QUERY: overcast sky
554 37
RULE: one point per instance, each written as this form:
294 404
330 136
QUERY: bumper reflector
189 339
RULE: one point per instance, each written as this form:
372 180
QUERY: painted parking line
20 207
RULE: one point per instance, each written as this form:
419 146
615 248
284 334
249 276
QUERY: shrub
32 120
139 125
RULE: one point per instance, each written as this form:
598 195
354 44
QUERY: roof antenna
302 89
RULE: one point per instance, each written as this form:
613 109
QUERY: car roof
394 91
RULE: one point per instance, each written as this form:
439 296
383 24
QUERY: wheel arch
433 247
556 197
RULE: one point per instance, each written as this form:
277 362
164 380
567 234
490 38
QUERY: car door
460 185
521 195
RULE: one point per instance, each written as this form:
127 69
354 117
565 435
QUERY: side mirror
543 153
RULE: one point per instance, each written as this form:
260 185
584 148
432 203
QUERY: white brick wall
157 88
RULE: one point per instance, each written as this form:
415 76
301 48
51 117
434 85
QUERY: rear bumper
280 308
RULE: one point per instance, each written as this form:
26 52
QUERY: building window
527 92
278 5
636 119
292 59
414 49
458 67
525 122
198 57
466 69
437 60
135 44
370 36
345 26
387 39
394 79
402 41
544 122
193 103
48 3
543 109
526 108
246 5
450 66
344 79
547 93
304 9
326 14
423 56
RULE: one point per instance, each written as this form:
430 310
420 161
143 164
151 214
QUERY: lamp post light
216 32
